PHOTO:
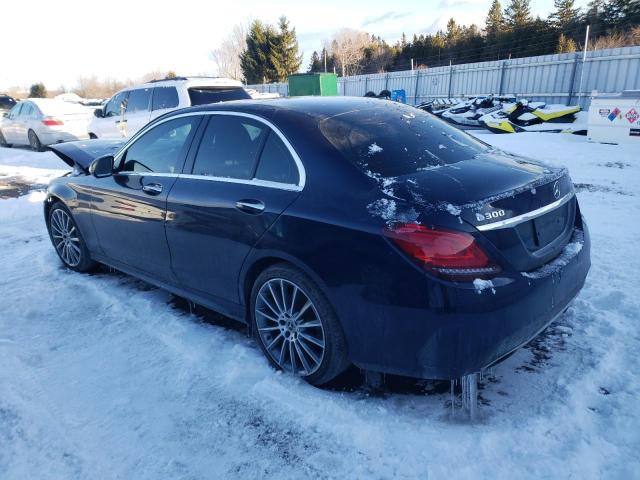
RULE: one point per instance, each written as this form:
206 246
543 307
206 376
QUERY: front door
110 125
129 207
243 177
137 112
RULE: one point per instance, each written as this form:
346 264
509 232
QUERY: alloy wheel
65 237
289 327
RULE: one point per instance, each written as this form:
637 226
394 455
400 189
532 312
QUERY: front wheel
296 327
67 240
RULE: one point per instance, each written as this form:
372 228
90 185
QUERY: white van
132 108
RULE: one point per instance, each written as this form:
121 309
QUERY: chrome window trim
509 222
254 181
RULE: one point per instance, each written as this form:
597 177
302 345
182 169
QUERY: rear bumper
472 329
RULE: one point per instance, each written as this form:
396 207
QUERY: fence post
386 81
415 91
450 79
366 82
573 77
502 68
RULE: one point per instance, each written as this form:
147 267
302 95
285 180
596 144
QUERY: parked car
7 102
131 109
38 122
343 230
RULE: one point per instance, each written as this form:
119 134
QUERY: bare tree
348 48
227 55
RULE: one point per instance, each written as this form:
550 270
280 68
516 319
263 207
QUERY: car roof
312 107
189 82
53 106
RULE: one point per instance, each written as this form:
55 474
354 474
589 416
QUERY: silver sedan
38 122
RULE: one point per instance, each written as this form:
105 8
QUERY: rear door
244 175
137 111
21 124
129 207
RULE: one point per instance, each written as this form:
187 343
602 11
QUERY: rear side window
165 97
162 148
204 95
276 163
115 106
229 147
389 139
139 100
27 110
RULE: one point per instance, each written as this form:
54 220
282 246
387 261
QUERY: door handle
152 188
250 206
120 121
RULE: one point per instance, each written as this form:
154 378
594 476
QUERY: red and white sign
632 115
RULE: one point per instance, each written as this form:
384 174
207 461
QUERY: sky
56 42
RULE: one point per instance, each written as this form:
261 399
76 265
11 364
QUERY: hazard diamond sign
632 115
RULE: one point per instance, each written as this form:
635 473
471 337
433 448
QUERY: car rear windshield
204 95
388 139
7 102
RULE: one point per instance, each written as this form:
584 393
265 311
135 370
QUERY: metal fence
561 78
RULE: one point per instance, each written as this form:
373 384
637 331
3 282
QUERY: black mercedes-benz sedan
342 230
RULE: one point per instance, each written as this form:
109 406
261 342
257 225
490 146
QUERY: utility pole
325 59
584 59
412 64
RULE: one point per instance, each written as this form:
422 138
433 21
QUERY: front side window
229 147
161 149
165 97
139 100
115 106
276 163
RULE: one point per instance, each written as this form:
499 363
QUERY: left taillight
445 253
51 122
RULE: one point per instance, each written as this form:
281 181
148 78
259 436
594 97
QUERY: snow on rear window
388 139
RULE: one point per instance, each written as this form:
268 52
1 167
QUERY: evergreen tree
284 55
494 24
316 64
564 15
518 14
256 60
454 32
38 90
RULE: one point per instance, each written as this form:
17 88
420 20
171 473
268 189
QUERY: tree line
509 31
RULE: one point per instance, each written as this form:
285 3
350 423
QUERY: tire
370 94
3 141
93 136
279 295
385 94
67 239
34 141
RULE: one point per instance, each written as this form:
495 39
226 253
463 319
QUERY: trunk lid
524 209
82 153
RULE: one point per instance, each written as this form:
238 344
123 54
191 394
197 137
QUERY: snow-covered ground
102 376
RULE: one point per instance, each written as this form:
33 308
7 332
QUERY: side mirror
98 112
102 167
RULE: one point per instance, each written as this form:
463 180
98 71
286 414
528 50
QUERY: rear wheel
295 325
67 240
3 141
34 141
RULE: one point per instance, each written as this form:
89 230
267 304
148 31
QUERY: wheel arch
255 266
59 193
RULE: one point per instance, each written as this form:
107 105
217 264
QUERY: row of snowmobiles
506 114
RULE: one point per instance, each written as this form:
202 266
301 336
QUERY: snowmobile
438 105
525 116
469 113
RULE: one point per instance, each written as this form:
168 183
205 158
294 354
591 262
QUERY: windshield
204 95
389 139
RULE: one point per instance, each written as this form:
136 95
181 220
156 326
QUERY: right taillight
445 253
